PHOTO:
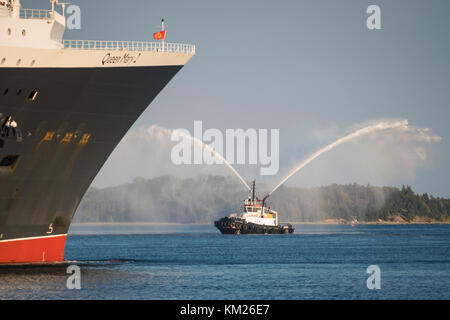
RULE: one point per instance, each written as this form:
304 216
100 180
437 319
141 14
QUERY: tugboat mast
253 191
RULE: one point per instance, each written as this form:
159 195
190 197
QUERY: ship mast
15 8
163 28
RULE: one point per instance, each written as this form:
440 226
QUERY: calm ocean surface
197 262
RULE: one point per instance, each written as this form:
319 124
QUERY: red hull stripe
35 249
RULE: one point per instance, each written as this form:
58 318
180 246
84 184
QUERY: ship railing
130 46
35 14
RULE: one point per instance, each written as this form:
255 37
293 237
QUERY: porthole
33 95
9 31
32 63
5 92
24 32
19 62
9 162
19 92
3 61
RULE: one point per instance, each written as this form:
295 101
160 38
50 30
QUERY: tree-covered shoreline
203 199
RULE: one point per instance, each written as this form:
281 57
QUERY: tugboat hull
240 226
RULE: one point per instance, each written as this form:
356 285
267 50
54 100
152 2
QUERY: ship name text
124 59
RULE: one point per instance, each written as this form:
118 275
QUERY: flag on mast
162 34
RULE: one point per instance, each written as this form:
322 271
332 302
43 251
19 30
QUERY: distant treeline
207 198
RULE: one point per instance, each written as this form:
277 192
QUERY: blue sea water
197 262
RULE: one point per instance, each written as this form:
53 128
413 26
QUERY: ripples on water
196 262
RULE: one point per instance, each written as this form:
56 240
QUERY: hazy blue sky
310 68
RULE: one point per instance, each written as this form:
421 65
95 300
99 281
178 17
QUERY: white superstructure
30 28
34 38
254 212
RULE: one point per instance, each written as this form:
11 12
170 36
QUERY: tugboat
255 218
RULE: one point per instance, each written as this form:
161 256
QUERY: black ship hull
239 226
64 136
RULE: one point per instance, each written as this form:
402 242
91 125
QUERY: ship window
33 62
24 32
9 31
19 92
9 161
19 62
33 95
5 92
3 60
